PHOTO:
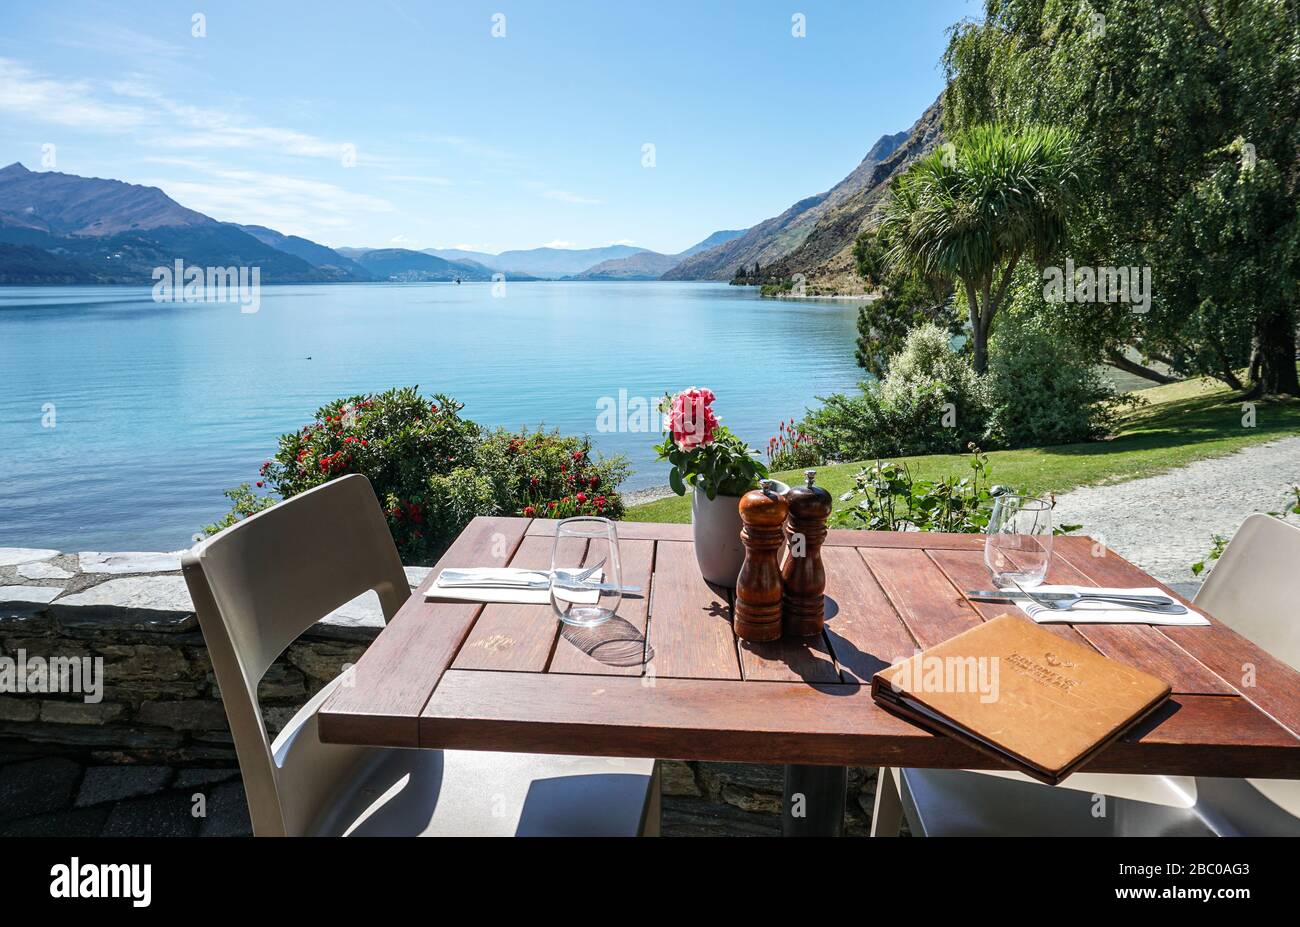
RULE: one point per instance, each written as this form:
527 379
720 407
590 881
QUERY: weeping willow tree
1189 110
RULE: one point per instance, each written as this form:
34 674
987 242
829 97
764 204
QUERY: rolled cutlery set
512 578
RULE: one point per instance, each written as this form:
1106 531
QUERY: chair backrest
257 586
1255 585
1253 589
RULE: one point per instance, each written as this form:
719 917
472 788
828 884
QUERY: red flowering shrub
549 475
433 470
791 449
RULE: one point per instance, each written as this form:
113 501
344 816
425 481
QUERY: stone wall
161 710
160 700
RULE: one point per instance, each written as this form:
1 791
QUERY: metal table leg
814 801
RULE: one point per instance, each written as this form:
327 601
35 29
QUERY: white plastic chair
260 584
1254 589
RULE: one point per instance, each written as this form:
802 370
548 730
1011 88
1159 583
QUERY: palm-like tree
970 211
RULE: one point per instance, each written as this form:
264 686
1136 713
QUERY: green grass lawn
1179 423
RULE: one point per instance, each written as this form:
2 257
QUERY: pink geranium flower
690 418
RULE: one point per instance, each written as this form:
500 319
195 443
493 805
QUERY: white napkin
541 596
1105 612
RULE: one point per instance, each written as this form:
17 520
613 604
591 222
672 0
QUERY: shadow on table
616 642
856 664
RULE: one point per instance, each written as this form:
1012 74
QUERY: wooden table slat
865 633
1236 660
751 722
931 607
690 623
511 636
788 660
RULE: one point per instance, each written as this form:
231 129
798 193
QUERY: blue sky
463 139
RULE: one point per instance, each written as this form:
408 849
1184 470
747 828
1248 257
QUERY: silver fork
1066 602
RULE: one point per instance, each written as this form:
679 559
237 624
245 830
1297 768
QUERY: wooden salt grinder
758 590
804 577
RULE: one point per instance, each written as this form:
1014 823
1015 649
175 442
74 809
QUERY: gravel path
1165 523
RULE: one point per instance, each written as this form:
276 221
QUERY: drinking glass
580 597
1019 541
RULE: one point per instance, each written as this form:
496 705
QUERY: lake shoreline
126 419
642 496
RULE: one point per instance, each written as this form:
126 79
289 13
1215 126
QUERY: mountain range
550 263
651 265
60 228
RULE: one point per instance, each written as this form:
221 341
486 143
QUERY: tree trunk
980 356
1252 372
1277 370
1116 359
1226 373
978 332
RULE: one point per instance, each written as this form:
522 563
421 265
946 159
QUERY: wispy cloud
294 205
551 192
564 196
422 179
136 106
69 103
102 35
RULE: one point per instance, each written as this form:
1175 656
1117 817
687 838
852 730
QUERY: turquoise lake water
158 408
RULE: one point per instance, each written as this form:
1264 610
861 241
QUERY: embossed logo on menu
1045 672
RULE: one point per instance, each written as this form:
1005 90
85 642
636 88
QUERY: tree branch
1116 359
1002 287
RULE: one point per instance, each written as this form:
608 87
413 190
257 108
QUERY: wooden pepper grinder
803 575
758 590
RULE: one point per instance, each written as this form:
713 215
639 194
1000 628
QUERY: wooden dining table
667 678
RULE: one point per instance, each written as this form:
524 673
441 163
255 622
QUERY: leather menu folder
1012 690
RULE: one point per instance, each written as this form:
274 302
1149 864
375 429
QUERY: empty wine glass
1019 542
578 595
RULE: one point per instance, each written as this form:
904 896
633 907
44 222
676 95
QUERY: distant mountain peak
886 145
772 241
62 228
66 204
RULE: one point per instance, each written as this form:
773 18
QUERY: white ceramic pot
716 525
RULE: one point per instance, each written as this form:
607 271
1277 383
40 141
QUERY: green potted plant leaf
720 468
